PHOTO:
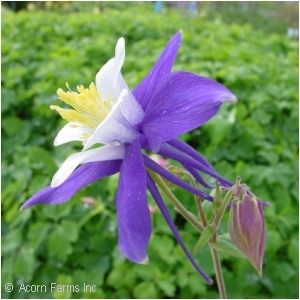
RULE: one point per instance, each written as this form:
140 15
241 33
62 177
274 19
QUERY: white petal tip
54 184
233 99
56 181
121 42
120 53
145 261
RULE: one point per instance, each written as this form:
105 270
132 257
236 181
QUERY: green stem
197 199
183 211
222 208
219 274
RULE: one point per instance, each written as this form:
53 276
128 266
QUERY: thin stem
223 207
219 274
183 211
197 199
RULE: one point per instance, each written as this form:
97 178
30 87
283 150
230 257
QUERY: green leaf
145 290
7 268
273 242
225 244
114 279
168 288
12 125
37 233
197 285
11 241
284 271
208 210
205 236
293 252
70 230
63 288
57 211
147 272
182 278
59 246
25 265
130 279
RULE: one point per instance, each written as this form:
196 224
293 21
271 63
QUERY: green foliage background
76 243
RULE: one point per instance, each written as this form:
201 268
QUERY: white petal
71 132
100 154
115 128
120 54
131 109
107 79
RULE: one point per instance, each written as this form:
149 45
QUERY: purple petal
184 147
134 220
174 179
81 177
182 102
160 203
172 153
144 91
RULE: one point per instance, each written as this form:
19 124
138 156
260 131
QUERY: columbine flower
163 106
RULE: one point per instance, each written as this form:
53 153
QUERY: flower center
89 109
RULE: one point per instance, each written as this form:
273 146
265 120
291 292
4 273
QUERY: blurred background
250 47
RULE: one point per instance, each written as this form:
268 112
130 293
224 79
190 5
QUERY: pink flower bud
247 229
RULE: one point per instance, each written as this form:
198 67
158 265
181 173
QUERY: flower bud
247 229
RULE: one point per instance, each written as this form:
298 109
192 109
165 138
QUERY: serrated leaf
11 241
25 265
114 279
37 233
145 290
70 230
167 287
57 211
59 246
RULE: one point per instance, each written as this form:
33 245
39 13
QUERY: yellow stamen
89 109
85 136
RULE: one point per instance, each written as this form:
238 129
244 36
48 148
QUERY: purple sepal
81 177
160 203
184 147
144 90
174 179
172 153
134 220
181 102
